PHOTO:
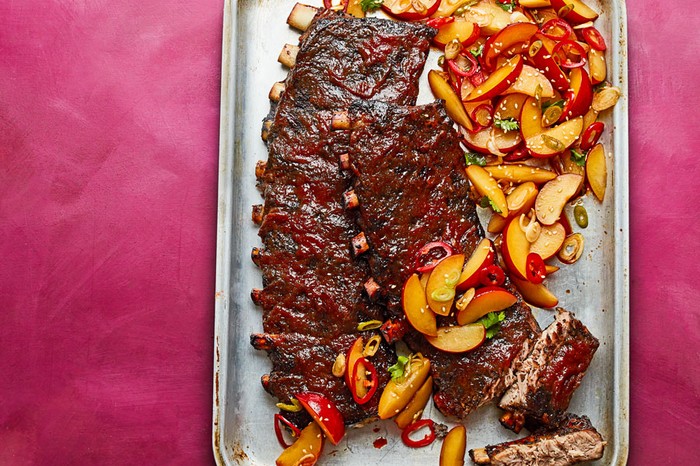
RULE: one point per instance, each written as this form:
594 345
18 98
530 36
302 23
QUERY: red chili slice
477 78
457 68
278 429
519 153
372 384
536 270
563 51
492 275
426 440
437 22
592 134
425 252
483 115
550 27
594 38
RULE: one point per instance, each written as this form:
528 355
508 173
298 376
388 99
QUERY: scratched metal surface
596 288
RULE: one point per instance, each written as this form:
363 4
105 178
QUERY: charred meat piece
313 294
575 441
412 188
302 363
547 379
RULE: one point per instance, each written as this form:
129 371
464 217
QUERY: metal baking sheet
596 288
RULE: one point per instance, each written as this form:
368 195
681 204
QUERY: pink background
108 168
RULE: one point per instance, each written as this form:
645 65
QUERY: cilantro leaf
578 158
474 159
492 323
493 206
506 6
484 202
508 124
551 103
397 369
368 5
478 52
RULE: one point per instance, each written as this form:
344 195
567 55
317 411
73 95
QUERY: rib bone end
301 16
288 55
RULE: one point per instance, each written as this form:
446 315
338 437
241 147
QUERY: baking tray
596 288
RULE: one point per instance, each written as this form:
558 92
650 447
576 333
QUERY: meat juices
547 379
412 188
575 441
312 296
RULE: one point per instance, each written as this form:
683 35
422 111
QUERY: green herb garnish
506 6
397 369
368 5
553 103
493 206
478 52
578 158
474 159
492 323
484 202
508 124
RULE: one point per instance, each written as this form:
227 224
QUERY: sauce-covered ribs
410 181
546 380
312 296
574 441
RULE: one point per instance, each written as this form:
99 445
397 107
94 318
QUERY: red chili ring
425 250
369 367
559 50
489 109
536 270
425 441
278 429
592 134
554 23
593 38
473 66
477 78
492 275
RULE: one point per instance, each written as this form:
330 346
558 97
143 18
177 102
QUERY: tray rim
618 18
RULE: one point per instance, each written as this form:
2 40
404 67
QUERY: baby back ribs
312 296
412 188
547 379
575 441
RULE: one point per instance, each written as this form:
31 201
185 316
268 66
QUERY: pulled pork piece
575 441
547 379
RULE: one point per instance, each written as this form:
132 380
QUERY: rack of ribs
547 379
410 181
575 441
312 296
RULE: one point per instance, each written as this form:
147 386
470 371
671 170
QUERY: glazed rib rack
312 296
410 181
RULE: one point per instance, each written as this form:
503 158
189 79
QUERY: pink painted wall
108 166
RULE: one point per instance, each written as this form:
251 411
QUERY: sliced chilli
426 260
483 115
565 50
457 65
536 269
369 382
426 440
520 153
492 275
592 134
437 22
557 29
594 38
279 421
